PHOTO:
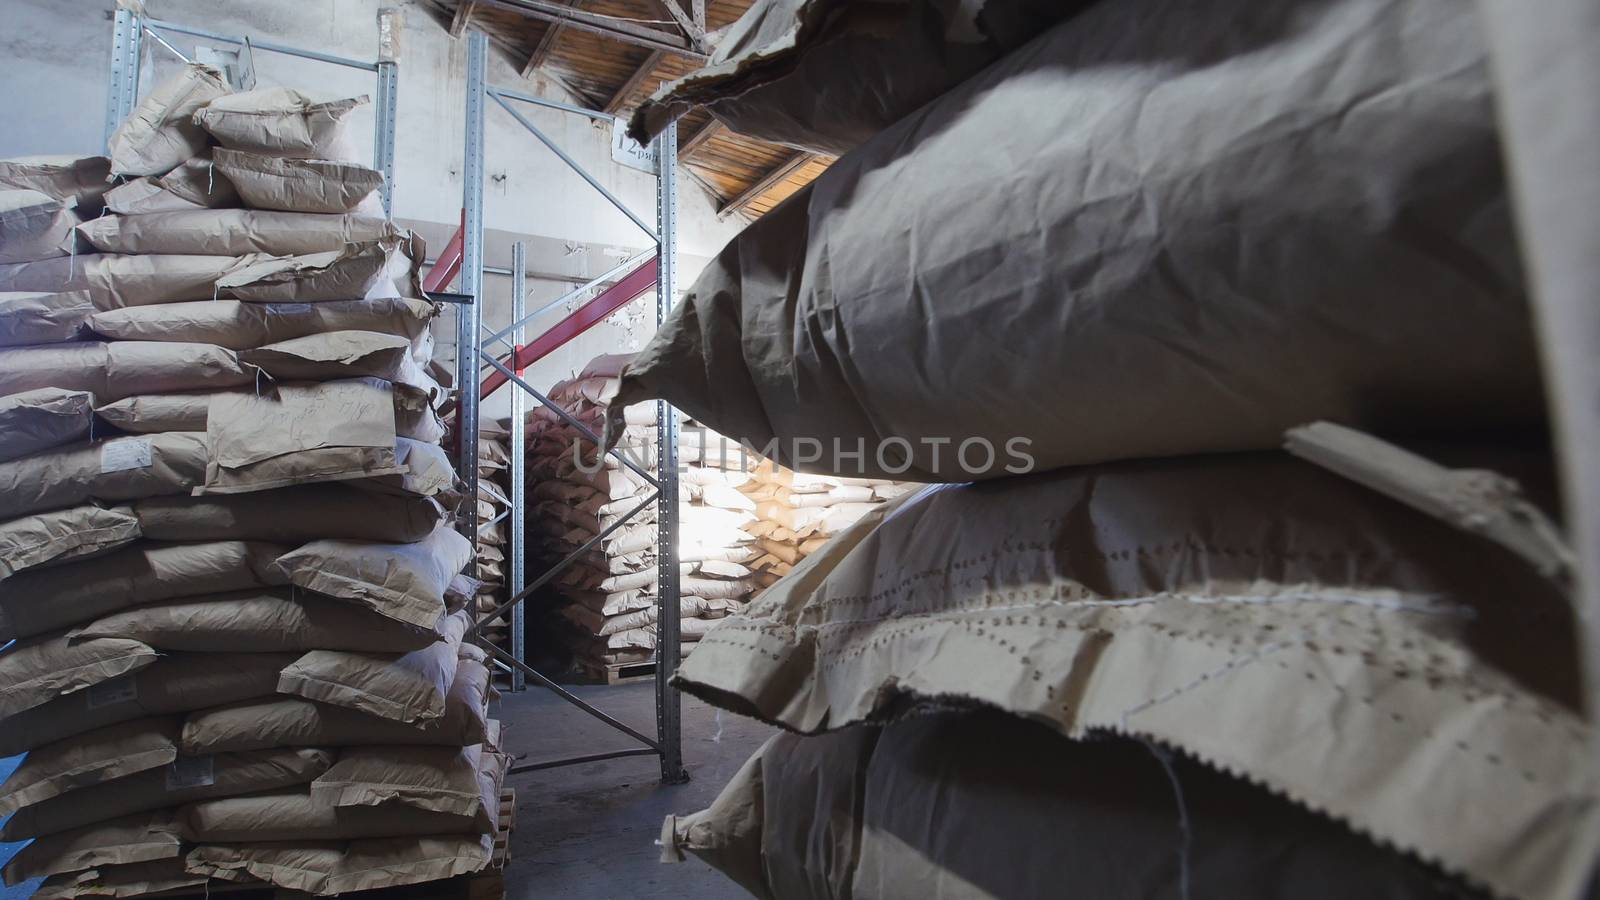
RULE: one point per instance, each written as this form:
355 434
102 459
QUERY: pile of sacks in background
796 513
226 554
574 494
742 525
492 568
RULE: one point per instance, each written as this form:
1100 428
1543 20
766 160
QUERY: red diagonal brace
448 265
584 318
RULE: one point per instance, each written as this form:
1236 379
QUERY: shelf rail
627 281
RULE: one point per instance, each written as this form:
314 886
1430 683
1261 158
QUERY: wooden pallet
488 884
616 673
506 822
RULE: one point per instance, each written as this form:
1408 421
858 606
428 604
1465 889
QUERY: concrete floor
588 832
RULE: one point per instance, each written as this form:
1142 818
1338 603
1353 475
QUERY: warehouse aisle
589 832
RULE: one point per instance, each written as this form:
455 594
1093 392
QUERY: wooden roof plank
555 12
694 31
613 68
783 171
552 33
458 22
706 133
645 70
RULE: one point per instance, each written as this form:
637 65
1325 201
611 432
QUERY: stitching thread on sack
898 619
1242 599
1233 769
1010 547
1232 664
894 629
1393 720
1185 835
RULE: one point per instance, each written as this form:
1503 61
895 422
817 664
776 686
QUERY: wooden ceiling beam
463 16
768 182
499 39
696 33
605 26
646 68
552 33
706 133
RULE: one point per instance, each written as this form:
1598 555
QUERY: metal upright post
383 152
668 652
469 315
518 464
390 22
123 94
668 740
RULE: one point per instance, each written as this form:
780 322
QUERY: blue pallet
7 766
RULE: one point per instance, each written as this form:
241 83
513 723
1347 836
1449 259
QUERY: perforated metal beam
123 92
518 464
669 714
387 107
469 316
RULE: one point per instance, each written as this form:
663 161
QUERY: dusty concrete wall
54 60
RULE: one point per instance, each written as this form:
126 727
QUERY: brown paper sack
39 317
1253 611
175 683
160 133
186 779
64 534
300 185
1381 289
42 418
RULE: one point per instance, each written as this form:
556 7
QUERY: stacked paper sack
574 493
796 513
741 525
491 567
1182 604
225 545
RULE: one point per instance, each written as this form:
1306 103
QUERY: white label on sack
190 772
110 693
291 309
121 455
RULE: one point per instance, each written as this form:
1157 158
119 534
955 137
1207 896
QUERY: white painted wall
55 57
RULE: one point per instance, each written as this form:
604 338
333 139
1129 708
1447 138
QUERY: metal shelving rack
130 29
471 334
